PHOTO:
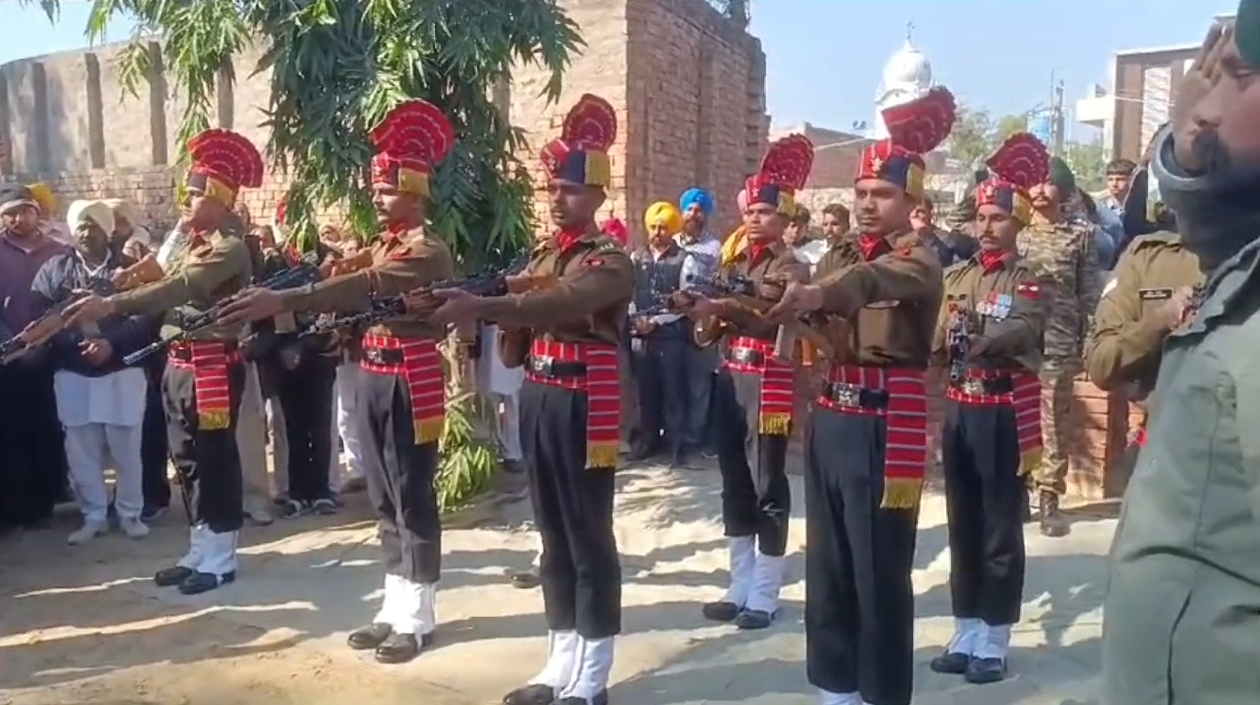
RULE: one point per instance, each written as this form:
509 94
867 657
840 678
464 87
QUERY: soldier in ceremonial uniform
989 337
567 335
754 391
1152 285
879 291
402 409
204 376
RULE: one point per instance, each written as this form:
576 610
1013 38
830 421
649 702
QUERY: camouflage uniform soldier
1061 252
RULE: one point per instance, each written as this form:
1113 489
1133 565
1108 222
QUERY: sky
825 57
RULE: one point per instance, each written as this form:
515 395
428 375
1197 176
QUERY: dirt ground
75 629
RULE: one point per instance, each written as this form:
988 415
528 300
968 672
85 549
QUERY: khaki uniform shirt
400 263
1007 307
887 305
210 269
591 285
1128 335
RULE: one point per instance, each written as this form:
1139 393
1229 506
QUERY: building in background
1139 98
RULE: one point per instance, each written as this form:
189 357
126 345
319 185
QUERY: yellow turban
44 197
734 245
664 213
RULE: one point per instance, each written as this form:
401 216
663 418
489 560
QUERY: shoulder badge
1110 286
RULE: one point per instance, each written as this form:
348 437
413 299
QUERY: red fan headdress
783 172
580 154
223 162
914 129
1019 164
412 138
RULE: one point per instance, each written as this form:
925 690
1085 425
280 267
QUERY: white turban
97 212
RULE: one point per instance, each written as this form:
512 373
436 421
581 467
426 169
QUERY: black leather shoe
600 698
985 670
721 611
170 577
532 694
753 619
525 580
401 648
199 582
369 637
951 662
1053 523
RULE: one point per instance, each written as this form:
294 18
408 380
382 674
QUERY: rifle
491 283
42 329
958 345
742 291
306 271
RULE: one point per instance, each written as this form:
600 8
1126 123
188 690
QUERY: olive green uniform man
1141 304
1182 613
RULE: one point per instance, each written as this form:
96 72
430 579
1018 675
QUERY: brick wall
688 86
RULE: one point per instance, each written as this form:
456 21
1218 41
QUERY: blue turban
697 196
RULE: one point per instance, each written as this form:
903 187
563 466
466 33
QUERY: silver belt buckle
849 395
973 387
541 364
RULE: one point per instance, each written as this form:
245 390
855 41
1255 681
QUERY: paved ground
83 624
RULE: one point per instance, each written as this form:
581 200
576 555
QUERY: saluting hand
1204 72
88 309
797 299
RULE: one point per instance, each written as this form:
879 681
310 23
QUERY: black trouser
985 498
579 568
400 475
154 445
660 373
756 496
859 601
34 452
207 461
306 397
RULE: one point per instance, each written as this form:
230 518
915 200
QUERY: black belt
855 396
383 357
183 351
746 356
984 386
545 366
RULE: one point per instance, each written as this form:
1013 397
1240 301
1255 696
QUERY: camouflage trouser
1058 376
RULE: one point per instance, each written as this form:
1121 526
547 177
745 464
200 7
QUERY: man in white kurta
100 400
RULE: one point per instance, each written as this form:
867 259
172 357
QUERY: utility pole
1058 120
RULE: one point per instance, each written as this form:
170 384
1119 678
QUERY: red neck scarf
755 251
567 238
992 260
872 245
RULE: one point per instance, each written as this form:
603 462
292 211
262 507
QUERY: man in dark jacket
100 400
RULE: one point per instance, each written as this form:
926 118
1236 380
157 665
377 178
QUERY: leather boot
1053 523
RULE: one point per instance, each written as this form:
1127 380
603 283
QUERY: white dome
908 66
